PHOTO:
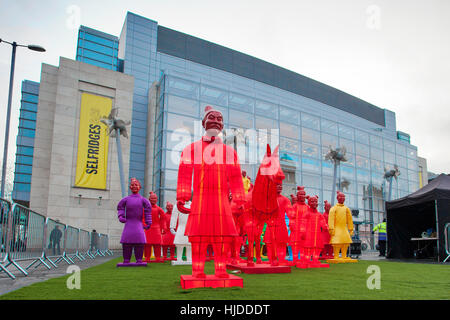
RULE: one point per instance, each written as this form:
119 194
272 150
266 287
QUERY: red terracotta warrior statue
327 251
167 236
314 225
237 242
276 235
154 234
297 223
216 171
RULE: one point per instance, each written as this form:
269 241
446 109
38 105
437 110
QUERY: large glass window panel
169 195
362 149
27 132
362 162
240 119
362 175
289 130
23 169
265 123
350 201
94 38
413 186
346 132
310 121
348 185
329 126
327 182
170 179
23 187
30 98
27 124
389 157
29 106
327 167
98 56
401 150
310 180
24 150
412 164
376 165
289 160
289 115
24 159
289 145
329 140
315 192
177 122
28 115
183 105
241 102
361 136
311 165
350 159
310 150
376 153
213 95
266 109
348 144
310 136
96 63
172 159
177 141
403 184
413 175
182 87
377 179
401 161
347 172
389 145
411 153
375 141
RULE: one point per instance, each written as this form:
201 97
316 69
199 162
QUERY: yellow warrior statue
340 225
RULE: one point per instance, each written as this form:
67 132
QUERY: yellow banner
92 157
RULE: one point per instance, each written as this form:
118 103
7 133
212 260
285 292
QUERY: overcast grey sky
393 54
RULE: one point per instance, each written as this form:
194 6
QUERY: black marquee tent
410 216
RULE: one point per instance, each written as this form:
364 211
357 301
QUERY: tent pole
437 229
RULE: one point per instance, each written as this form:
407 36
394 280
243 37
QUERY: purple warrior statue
130 210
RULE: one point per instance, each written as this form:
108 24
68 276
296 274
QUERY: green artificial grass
162 281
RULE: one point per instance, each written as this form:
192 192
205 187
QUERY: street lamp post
8 112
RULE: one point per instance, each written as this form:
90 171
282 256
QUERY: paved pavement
41 273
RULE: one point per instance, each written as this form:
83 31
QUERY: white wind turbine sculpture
388 175
116 128
336 156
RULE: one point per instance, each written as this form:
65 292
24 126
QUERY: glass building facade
25 142
261 103
98 48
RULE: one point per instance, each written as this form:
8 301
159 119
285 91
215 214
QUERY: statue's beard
212 132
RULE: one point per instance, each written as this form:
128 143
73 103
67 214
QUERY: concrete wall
54 166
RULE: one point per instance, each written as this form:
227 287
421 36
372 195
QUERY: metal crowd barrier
27 235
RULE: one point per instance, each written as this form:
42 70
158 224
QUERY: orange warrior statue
154 234
313 243
216 172
327 252
297 224
340 224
